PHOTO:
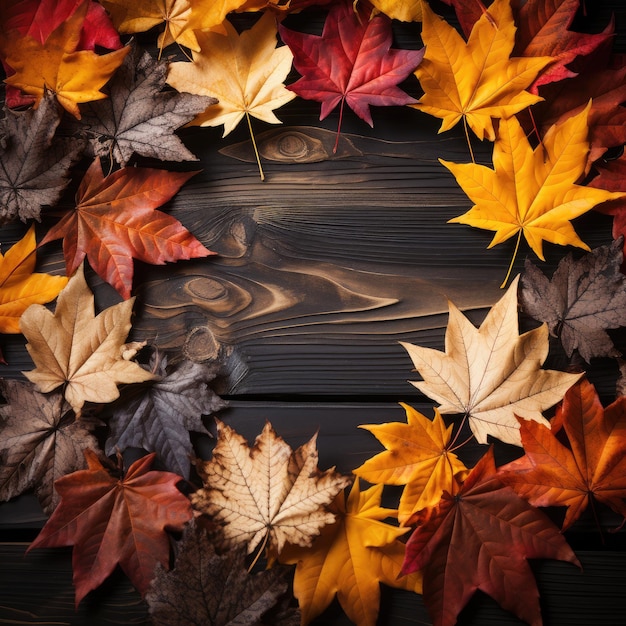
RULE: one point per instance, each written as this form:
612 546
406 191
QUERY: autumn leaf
544 30
115 521
38 18
217 588
350 559
182 18
138 117
582 300
158 415
403 10
281 7
591 468
417 456
612 177
476 81
491 373
57 65
75 348
481 539
244 72
529 191
115 221
266 493
20 286
350 63
40 441
34 164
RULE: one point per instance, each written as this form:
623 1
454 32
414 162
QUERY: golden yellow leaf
475 81
491 374
532 191
267 493
85 352
403 10
181 17
350 559
418 457
73 76
19 286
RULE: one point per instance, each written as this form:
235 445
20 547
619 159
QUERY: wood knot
201 345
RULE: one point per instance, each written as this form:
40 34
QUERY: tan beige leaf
491 373
73 346
266 492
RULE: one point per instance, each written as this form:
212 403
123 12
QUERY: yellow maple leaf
80 350
418 457
19 286
244 72
475 81
350 559
491 374
181 17
531 191
403 10
73 76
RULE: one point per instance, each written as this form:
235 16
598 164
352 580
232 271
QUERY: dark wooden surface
322 270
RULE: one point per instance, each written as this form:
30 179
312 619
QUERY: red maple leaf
351 62
115 221
480 538
112 521
38 18
593 466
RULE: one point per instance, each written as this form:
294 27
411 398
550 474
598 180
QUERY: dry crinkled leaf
491 373
20 286
481 538
350 559
244 72
217 589
417 456
266 492
138 117
40 441
582 300
34 164
158 416
114 521
592 467
476 81
72 75
83 351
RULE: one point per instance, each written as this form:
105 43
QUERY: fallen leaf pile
103 431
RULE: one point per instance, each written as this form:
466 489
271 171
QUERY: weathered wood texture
322 270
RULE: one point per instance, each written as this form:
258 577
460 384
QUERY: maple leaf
592 467
40 441
480 539
416 456
182 18
112 521
138 117
20 286
582 300
159 415
403 10
350 559
34 164
544 30
218 589
350 63
115 221
476 81
281 7
612 177
72 75
38 18
491 374
267 493
244 72
531 191
75 348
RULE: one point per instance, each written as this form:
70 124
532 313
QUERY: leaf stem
506 278
467 137
339 126
259 552
450 446
256 151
